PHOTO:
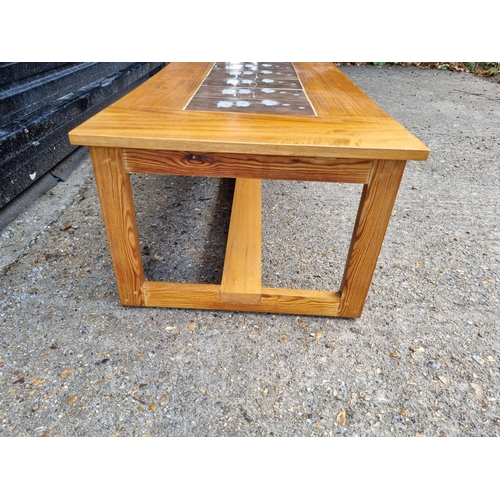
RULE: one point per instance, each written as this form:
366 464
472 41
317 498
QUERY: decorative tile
246 87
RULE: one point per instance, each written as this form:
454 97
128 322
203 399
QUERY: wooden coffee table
248 121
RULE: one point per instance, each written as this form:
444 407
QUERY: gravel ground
423 360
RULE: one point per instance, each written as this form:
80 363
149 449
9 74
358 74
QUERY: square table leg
377 201
115 194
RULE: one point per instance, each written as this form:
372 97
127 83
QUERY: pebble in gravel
433 365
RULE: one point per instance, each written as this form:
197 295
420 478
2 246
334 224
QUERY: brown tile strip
250 87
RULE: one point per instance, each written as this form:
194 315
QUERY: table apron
249 166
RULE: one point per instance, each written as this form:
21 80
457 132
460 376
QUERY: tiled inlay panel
251 87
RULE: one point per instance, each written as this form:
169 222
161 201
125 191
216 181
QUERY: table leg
115 194
377 201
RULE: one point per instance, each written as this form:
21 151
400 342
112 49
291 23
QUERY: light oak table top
346 124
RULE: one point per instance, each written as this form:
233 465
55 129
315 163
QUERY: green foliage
484 68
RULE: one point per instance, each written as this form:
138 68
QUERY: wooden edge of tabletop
199 131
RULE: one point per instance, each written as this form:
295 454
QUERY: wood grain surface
115 194
248 166
348 124
274 300
242 274
333 95
166 91
375 207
